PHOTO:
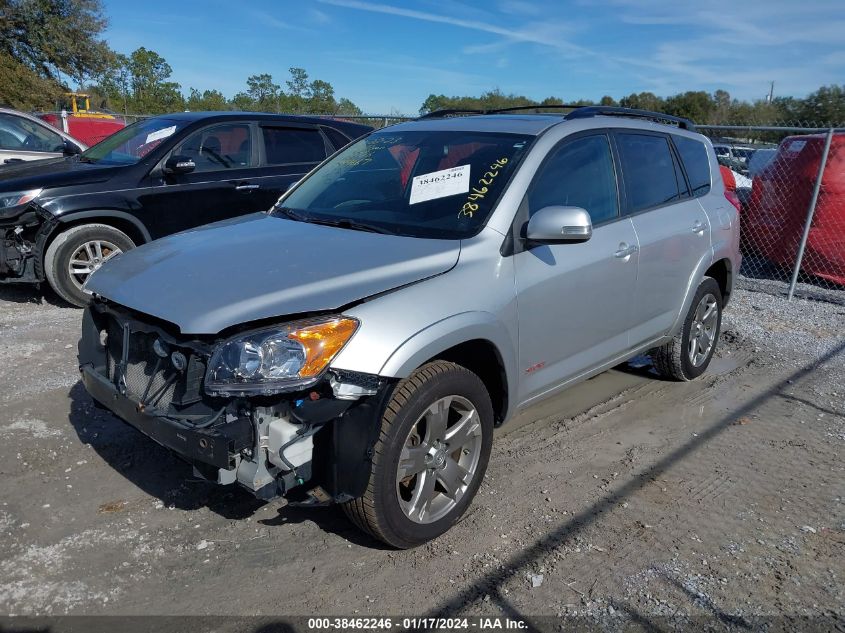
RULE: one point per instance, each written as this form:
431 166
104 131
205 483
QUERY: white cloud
510 34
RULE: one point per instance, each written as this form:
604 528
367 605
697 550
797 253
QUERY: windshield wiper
345 223
290 213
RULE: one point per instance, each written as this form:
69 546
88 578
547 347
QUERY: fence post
810 213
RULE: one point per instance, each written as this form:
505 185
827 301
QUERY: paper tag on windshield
160 134
440 184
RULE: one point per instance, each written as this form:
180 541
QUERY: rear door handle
698 227
625 250
247 187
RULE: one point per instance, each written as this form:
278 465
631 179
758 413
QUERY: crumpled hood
257 267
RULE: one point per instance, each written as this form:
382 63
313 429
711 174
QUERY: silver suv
359 342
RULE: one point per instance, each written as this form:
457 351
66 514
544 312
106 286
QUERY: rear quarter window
337 139
696 162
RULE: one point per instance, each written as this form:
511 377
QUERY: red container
780 198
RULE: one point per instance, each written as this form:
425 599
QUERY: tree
320 98
643 101
433 103
298 83
608 101
23 88
825 106
151 92
242 101
139 84
208 100
345 106
694 105
263 92
55 38
45 43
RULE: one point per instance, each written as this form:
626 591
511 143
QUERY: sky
388 56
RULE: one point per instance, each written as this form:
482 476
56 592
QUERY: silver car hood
256 267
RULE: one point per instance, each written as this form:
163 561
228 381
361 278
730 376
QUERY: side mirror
178 164
291 185
552 225
70 149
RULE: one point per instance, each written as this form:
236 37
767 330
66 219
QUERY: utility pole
771 92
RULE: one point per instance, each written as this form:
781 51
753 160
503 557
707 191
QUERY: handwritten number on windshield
479 192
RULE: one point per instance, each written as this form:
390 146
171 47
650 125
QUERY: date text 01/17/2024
479 623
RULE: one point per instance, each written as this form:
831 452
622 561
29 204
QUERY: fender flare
449 332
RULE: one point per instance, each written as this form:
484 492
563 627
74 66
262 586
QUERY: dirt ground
661 505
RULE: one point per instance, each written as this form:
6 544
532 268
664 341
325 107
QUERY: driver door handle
246 187
625 250
698 227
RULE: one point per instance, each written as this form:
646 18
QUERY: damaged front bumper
23 235
313 446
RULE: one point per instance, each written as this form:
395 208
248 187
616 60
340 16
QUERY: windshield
422 184
132 143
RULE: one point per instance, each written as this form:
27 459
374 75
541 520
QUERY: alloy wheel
88 258
439 459
702 334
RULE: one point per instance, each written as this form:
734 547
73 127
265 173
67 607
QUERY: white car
25 137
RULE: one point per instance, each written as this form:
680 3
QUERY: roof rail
550 106
591 111
577 112
436 114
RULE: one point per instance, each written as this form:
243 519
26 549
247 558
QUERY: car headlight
278 359
16 198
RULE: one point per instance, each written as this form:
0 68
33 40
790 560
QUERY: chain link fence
790 182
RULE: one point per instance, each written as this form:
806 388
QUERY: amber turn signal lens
321 342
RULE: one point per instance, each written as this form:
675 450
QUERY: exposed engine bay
313 445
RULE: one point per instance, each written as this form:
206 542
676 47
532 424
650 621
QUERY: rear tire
430 457
688 354
80 248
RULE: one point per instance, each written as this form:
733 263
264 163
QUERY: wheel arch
475 340
700 272
119 220
722 271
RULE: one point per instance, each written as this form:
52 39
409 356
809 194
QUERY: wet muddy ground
630 500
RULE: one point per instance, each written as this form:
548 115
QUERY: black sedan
61 219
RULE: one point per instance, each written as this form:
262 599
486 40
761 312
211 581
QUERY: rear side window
697 164
293 145
578 174
337 139
648 171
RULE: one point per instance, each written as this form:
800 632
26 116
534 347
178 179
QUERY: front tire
74 254
688 354
430 457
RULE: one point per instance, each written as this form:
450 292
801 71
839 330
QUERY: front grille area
147 377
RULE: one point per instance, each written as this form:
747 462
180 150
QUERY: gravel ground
790 330
715 504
